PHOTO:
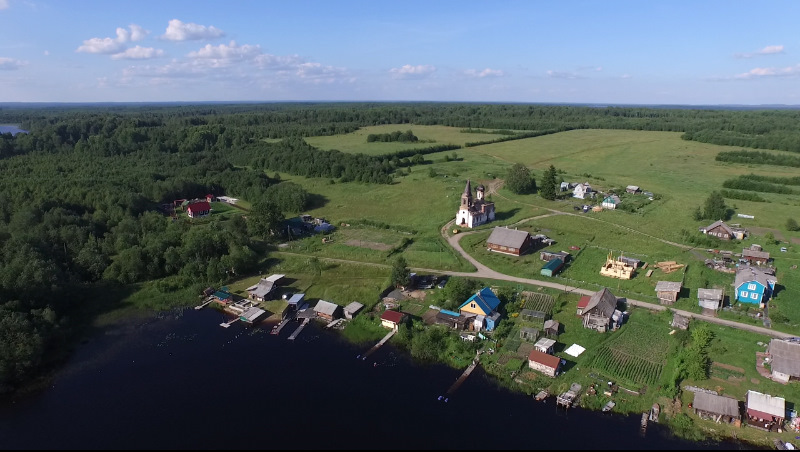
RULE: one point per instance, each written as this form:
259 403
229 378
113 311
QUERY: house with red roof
198 209
582 303
544 363
391 319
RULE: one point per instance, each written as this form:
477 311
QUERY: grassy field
356 142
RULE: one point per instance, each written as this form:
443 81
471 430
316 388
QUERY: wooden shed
710 298
668 291
527 333
552 267
717 408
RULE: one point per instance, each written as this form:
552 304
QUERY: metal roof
785 357
392 316
544 343
275 278
353 307
717 404
486 300
668 286
261 289
709 294
543 358
326 307
747 274
252 314
297 298
775 406
503 236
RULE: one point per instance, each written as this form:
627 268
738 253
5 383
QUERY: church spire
466 197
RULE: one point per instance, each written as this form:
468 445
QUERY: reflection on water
179 381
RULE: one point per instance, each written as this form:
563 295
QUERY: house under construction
614 268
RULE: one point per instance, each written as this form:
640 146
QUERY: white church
475 212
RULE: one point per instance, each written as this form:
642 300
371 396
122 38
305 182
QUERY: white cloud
10 64
760 72
113 45
46 53
562 74
3 4
227 52
138 53
179 31
768 50
408 71
277 62
484 73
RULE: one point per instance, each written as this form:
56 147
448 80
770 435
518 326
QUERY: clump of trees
791 225
714 208
520 180
403 137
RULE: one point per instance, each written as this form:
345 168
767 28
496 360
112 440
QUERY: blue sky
608 52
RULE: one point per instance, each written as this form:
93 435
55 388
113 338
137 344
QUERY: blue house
754 285
484 304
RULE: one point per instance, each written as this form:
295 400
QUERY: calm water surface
180 381
10 128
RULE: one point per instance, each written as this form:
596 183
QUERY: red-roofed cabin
391 319
582 303
544 363
198 209
210 198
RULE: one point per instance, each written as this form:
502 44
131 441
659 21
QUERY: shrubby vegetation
743 195
520 180
403 137
758 158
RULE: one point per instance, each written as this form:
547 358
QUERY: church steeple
466 197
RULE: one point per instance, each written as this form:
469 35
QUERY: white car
783 249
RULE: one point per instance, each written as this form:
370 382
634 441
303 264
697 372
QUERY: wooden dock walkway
378 345
299 329
463 377
229 323
277 328
205 303
334 323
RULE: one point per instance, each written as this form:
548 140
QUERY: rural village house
583 191
754 255
476 212
722 231
582 303
452 319
544 363
784 360
716 407
710 298
510 241
598 312
632 189
198 209
667 291
263 290
754 285
764 411
327 310
611 202
391 319
483 305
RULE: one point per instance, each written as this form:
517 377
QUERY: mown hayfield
356 142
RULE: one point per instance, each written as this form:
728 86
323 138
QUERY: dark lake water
6 128
180 381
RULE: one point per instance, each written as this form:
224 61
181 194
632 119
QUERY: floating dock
299 329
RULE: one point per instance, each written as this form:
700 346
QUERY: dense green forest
79 193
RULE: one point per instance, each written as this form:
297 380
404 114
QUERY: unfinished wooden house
667 291
710 298
717 408
597 314
614 268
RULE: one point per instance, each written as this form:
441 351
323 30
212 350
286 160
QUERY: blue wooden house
483 304
754 285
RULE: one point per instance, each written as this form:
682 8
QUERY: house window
751 287
743 294
472 305
754 296
503 248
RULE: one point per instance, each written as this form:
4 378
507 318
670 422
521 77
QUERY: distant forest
79 193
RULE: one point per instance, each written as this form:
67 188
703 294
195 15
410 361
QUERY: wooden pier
334 323
643 427
205 303
229 323
378 345
463 376
277 328
567 399
299 329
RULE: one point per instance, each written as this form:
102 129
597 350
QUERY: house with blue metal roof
483 303
754 285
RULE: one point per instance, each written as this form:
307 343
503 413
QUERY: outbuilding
544 363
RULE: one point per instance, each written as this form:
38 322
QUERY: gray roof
785 357
252 313
719 223
544 343
717 404
633 187
668 286
603 301
353 307
766 403
756 254
551 324
511 238
275 278
297 298
709 294
326 307
262 289
746 273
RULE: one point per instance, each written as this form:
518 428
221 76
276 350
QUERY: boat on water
609 406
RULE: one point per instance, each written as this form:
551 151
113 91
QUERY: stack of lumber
668 266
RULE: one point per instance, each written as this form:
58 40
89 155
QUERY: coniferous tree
548 188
